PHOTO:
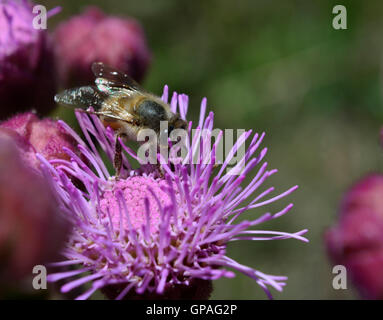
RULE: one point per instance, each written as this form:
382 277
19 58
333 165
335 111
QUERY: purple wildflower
152 236
26 61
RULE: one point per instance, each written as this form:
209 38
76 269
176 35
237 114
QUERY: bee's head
174 123
177 123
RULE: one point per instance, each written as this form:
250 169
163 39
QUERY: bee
122 104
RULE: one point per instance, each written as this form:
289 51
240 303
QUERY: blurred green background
278 67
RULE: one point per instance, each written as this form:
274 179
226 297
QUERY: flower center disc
135 190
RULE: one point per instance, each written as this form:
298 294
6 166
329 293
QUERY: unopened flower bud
357 240
45 136
32 230
93 36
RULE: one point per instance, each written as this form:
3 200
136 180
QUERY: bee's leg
158 166
117 161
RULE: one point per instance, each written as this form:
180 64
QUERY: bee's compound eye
171 128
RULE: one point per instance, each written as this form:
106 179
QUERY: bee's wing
81 97
89 96
114 78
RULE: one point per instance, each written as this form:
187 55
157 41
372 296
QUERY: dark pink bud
357 240
26 151
45 136
32 230
367 193
27 77
93 36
